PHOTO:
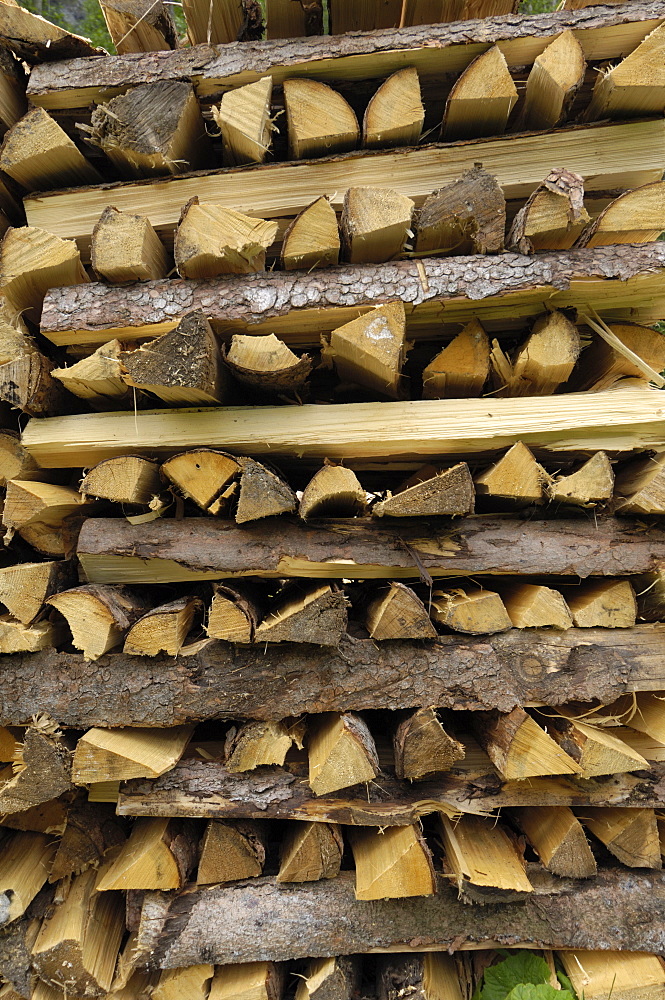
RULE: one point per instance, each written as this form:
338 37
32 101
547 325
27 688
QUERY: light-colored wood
598 750
310 851
287 19
553 217
433 11
464 217
641 743
15 342
153 130
305 612
392 863
480 852
130 479
395 115
253 981
634 217
33 37
371 350
175 984
558 838
618 974
98 617
531 605
243 118
213 240
636 87
163 629
461 369
631 835
13 104
555 78
31 262
263 493
481 101
329 979
231 851
211 24
542 363
333 491
201 475
26 384
98 378
640 486
312 240
428 976
591 484
234 613
38 512
472 610
375 224
645 712
266 363
602 364
602 604
140 25
26 586
38 155
18 638
363 15
341 752
431 491
24 866
255 744
155 856
516 479
120 754
423 748
126 248
319 120
520 748
398 613
15 463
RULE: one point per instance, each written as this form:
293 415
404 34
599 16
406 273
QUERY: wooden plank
501 292
603 35
632 154
615 910
35 39
538 666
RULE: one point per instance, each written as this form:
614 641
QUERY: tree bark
94 313
223 681
615 910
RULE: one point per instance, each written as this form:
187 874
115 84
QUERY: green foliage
92 25
522 976
527 991
538 6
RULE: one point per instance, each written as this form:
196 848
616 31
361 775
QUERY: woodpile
332 481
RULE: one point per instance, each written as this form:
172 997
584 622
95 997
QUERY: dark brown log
92 828
467 216
17 940
613 911
502 671
273 302
112 550
44 776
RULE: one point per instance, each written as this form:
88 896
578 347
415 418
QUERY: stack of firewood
332 458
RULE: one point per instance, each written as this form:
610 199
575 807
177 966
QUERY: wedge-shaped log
395 115
15 342
263 493
520 748
341 752
120 754
555 78
24 588
254 981
650 590
481 101
482 858
221 23
27 384
98 617
516 480
24 867
139 25
231 851
329 979
631 835
591 484
558 838
98 379
314 613
423 748
153 130
640 486
472 610
15 463
163 629
553 217
602 604
38 512
310 851
398 613
32 261
41 770
431 492
192 981
243 118
159 854
634 217
18 638
234 613
645 713
319 120
375 224
531 605
126 248
256 744
333 491
426 976
603 364
34 39
312 240
466 216
182 368
636 86
38 154
130 479
461 369
201 475
597 750
90 831
370 350
13 104
542 363
213 240
266 363
391 864
597 974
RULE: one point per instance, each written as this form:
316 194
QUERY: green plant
538 6
92 24
522 975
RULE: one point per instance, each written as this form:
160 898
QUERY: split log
263 493
253 981
426 976
231 851
391 864
15 341
558 838
645 714
310 851
126 248
98 379
341 752
363 15
120 754
91 830
430 492
32 261
312 240
24 867
398 613
307 612
375 224
591 484
461 369
467 216
38 155
426 11
319 120
13 104
484 861
139 26
542 363
201 475
634 217
159 854
603 604
640 486
555 78
287 19
520 748
153 130
474 611
603 364
651 596
34 39
130 480
395 115
182 367
516 480
423 748
597 974
27 384
234 613
266 363
41 772
333 491
98 617
163 629
329 979
371 349
553 217
38 512
212 240
25 588
227 22
192 982
532 605
480 102
255 744
597 750
15 463
635 86
243 118
631 835
18 638
167 550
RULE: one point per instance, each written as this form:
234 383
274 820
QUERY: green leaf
529 991
520 968
566 983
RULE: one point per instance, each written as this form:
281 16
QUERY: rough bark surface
255 298
618 909
223 681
